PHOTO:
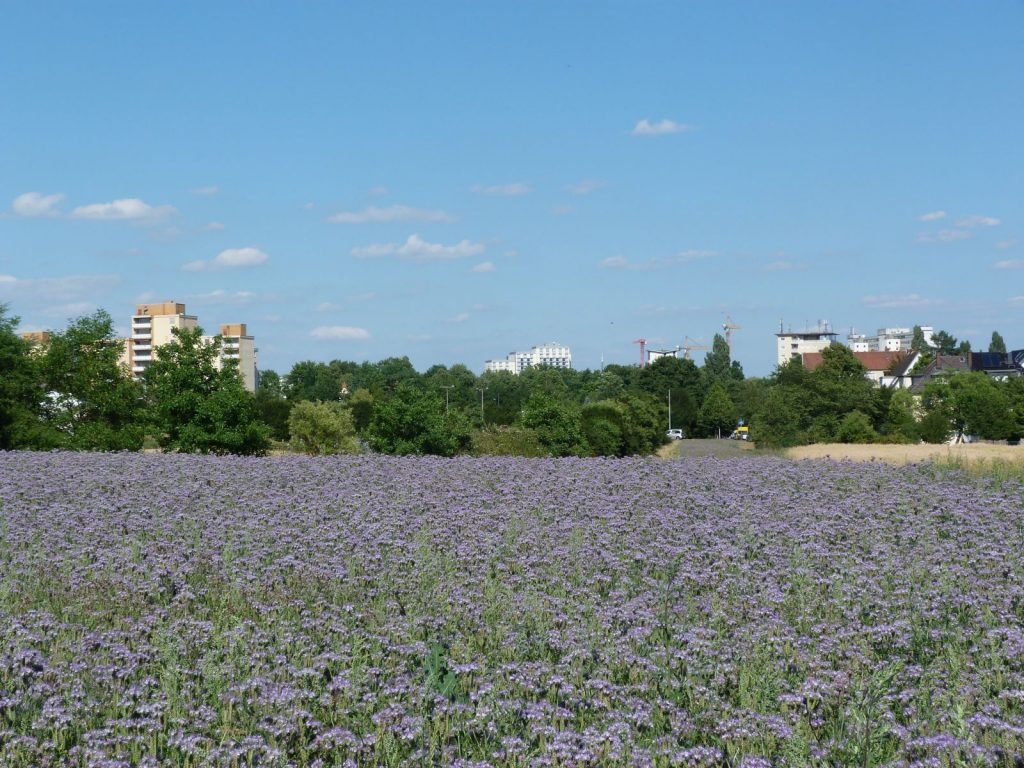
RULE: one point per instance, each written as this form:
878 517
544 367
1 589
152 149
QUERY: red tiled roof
873 361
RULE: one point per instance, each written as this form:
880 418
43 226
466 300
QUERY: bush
856 428
322 429
506 441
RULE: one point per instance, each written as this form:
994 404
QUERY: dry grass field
963 455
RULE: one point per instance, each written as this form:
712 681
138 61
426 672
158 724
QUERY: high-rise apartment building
553 354
152 327
794 344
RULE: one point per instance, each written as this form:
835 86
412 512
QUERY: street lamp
670 410
481 390
446 387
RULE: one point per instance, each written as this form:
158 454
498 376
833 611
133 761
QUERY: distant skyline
456 181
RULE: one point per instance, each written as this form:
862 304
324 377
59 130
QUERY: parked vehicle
674 434
740 433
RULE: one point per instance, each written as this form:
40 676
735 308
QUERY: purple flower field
200 611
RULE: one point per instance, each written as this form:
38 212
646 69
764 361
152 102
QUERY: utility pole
481 390
446 387
670 409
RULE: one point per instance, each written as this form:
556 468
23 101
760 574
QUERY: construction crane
728 326
689 345
643 351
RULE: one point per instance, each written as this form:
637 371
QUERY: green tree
270 384
900 425
361 406
414 422
997 344
783 419
93 403
601 423
197 408
505 440
718 363
557 425
944 343
717 413
918 342
322 428
21 389
856 428
973 404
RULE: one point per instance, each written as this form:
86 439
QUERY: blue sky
453 181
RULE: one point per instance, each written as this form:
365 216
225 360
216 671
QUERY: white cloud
418 249
778 266
127 209
459 318
904 301
240 257
309 206
586 186
1004 245
61 289
327 306
683 257
514 189
977 220
379 191
221 296
944 236
1009 264
484 267
932 216
36 205
562 210
339 332
232 258
661 128
391 213
73 309
206 191
1017 301
214 226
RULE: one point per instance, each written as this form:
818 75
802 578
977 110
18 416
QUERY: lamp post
481 390
670 409
446 387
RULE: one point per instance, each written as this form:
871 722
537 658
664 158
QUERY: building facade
794 344
554 355
153 325
888 339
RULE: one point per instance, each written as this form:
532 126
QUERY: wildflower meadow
172 610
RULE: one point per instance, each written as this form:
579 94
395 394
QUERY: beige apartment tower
152 326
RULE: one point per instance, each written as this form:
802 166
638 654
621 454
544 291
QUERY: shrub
322 428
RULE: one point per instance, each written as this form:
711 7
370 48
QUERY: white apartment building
887 339
795 344
152 326
553 354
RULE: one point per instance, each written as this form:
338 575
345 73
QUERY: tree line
72 393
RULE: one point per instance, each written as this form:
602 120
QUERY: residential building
554 355
153 325
37 338
881 366
887 339
655 354
793 344
237 345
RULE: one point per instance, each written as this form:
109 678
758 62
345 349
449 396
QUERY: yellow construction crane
728 326
689 345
